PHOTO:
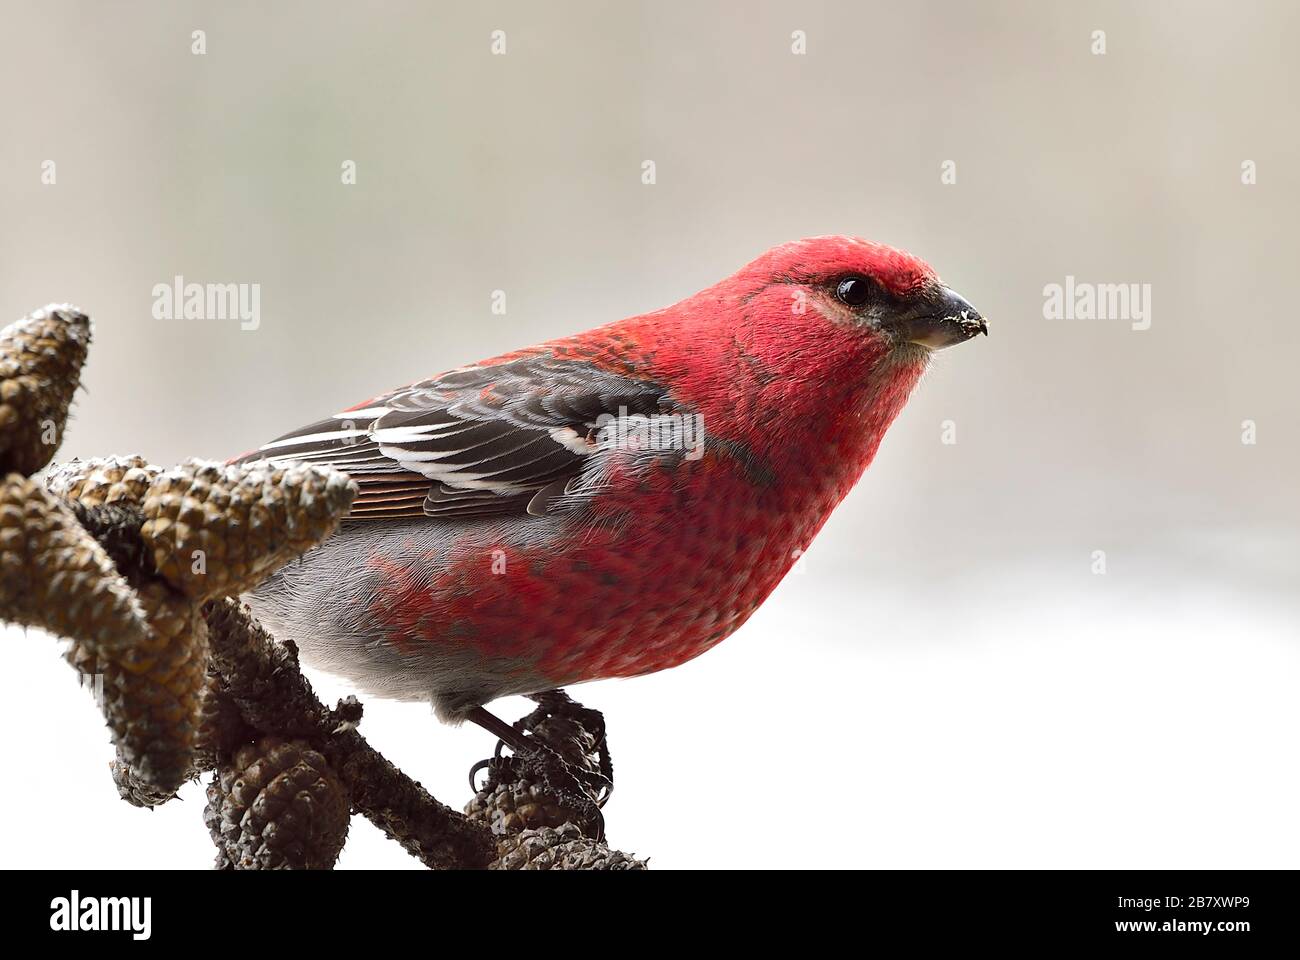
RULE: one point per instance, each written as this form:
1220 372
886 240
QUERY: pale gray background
946 683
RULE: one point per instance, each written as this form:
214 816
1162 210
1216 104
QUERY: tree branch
263 679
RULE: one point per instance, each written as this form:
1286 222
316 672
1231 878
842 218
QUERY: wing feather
475 442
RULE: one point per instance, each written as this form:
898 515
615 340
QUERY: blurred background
946 681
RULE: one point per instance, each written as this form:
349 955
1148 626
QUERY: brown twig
263 679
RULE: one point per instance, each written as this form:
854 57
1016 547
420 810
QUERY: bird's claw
583 785
474 771
557 703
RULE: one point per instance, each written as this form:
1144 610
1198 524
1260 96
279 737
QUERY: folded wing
477 441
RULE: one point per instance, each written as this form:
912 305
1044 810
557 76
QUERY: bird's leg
512 738
506 735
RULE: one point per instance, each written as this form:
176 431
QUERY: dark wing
477 441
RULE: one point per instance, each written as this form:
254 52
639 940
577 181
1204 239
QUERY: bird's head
830 330
883 295
834 331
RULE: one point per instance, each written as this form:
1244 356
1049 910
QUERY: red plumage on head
896 270
758 352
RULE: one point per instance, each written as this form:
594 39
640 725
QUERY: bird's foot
559 768
577 732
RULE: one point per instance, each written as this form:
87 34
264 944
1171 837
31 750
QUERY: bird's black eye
853 291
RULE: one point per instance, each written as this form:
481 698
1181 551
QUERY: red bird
612 503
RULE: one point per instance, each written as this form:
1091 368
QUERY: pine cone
277 805
559 849
40 367
54 575
153 690
135 790
219 729
102 479
221 726
148 649
218 530
521 805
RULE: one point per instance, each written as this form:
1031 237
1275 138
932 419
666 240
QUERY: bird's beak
943 319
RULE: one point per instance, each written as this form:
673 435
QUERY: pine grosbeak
612 503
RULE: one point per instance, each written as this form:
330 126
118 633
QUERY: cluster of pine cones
120 556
